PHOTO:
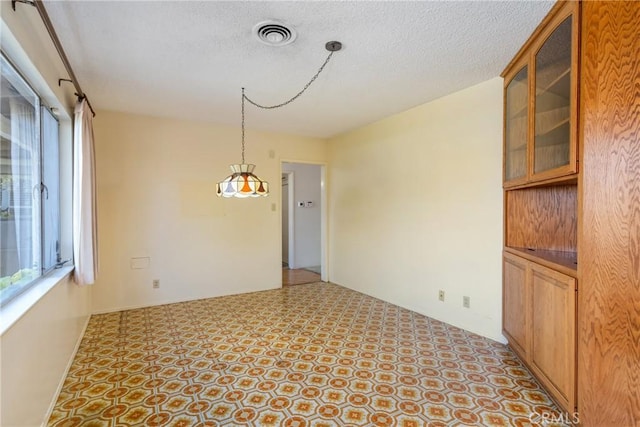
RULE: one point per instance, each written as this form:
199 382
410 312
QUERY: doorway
303 204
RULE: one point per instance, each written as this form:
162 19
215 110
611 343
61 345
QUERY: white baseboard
175 301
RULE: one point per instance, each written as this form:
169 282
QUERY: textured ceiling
189 59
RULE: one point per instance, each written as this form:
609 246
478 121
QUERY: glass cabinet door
553 101
516 126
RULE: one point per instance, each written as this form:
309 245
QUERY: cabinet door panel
553 321
515 307
516 127
555 100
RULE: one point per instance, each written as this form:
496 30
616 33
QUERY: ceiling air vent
274 33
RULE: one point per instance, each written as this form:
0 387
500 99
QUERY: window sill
17 308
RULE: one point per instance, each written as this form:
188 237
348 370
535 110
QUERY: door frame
324 247
291 259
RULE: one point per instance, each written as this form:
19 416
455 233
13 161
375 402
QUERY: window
29 186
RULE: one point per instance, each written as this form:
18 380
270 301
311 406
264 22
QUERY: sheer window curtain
85 236
25 158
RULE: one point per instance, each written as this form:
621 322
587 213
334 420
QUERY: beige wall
415 205
156 199
36 349
36 352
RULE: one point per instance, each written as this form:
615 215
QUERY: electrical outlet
466 302
156 284
441 295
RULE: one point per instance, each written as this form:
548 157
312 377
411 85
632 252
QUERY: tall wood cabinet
541 172
571 264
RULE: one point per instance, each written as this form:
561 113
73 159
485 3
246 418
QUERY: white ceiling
189 59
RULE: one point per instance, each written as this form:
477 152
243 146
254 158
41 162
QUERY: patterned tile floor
309 355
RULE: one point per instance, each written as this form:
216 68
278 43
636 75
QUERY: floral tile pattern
315 355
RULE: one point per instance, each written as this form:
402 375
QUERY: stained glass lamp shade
242 183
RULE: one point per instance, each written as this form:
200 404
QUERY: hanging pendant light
242 182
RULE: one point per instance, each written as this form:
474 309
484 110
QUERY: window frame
41 106
45 269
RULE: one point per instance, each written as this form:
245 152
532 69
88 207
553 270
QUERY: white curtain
85 236
25 168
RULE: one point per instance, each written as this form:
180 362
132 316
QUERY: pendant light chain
296 96
243 98
243 182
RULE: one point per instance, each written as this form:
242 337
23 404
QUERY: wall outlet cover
466 302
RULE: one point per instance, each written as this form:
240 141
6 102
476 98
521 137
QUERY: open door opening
302 223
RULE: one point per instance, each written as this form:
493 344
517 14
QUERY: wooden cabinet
541 102
541 183
572 209
539 321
